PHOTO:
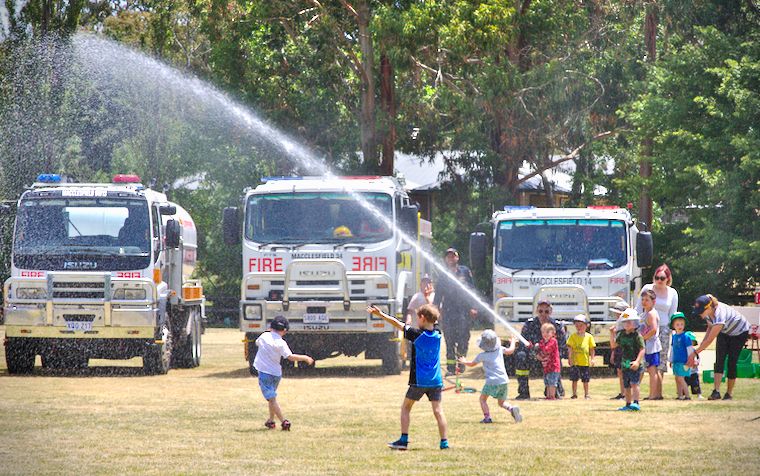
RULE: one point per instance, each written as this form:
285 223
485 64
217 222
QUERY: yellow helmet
342 232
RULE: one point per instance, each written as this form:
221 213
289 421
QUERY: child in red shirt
549 356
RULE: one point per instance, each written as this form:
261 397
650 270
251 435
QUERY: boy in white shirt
271 348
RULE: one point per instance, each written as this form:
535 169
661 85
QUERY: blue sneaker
398 445
444 444
626 408
635 407
486 420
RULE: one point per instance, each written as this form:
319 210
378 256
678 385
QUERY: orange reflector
25 331
382 285
253 326
378 324
254 287
192 292
157 275
133 332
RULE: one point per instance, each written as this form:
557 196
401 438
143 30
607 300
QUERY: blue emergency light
276 178
49 178
514 208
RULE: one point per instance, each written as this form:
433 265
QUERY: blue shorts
631 377
653 360
551 379
268 384
680 369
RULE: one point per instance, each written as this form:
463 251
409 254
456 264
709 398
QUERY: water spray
289 146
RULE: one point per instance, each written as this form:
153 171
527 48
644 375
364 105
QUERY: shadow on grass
104 371
346 371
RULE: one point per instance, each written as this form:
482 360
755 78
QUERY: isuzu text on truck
313 253
102 271
583 260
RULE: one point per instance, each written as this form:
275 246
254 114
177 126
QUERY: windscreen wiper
348 245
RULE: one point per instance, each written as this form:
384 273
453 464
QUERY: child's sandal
285 425
270 424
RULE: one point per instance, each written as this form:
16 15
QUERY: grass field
114 420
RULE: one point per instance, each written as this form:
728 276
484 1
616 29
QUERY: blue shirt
425 368
679 345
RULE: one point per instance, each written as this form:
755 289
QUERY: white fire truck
102 271
313 253
583 260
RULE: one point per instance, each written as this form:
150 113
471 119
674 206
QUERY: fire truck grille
78 290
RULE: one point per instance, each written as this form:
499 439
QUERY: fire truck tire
157 356
19 356
187 354
251 355
391 358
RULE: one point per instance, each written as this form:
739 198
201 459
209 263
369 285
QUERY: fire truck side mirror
478 251
173 234
644 249
409 220
230 226
167 210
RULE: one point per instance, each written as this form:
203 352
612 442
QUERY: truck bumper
306 316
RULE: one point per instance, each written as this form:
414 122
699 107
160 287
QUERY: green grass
210 420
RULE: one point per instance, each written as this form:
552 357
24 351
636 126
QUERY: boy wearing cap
425 376
492 359
271 348
632 352
615 360
679 354
581 346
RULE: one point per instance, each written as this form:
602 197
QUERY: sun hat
678 315
619 307
425 278
629 315
580 318
488 340
280 323
451 249
691 336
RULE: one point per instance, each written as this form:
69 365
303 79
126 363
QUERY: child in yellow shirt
581 346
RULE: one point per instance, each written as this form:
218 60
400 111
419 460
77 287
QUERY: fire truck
315 251
583 260
102 270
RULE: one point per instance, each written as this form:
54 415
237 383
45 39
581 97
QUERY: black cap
700 304
452 250
279 323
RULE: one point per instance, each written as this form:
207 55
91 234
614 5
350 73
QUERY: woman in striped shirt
731 329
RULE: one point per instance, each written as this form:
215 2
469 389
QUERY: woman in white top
666 305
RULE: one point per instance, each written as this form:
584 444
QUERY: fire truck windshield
82 234
561 244
316 217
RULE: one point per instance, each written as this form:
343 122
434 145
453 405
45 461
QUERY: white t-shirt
665 306
733 322
272 348
493 366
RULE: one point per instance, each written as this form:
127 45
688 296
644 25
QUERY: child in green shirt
632 349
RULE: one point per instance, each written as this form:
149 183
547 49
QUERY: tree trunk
388 101
367 121
645 166
548 190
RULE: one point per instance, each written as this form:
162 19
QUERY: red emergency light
126 178
361 177
604 207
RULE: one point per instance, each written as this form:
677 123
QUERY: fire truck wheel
157 356
391 357
19 356
188 353
251 355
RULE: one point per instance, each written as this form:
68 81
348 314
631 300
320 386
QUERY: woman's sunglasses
661 278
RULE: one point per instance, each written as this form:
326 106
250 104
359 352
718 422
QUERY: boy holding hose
425 376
